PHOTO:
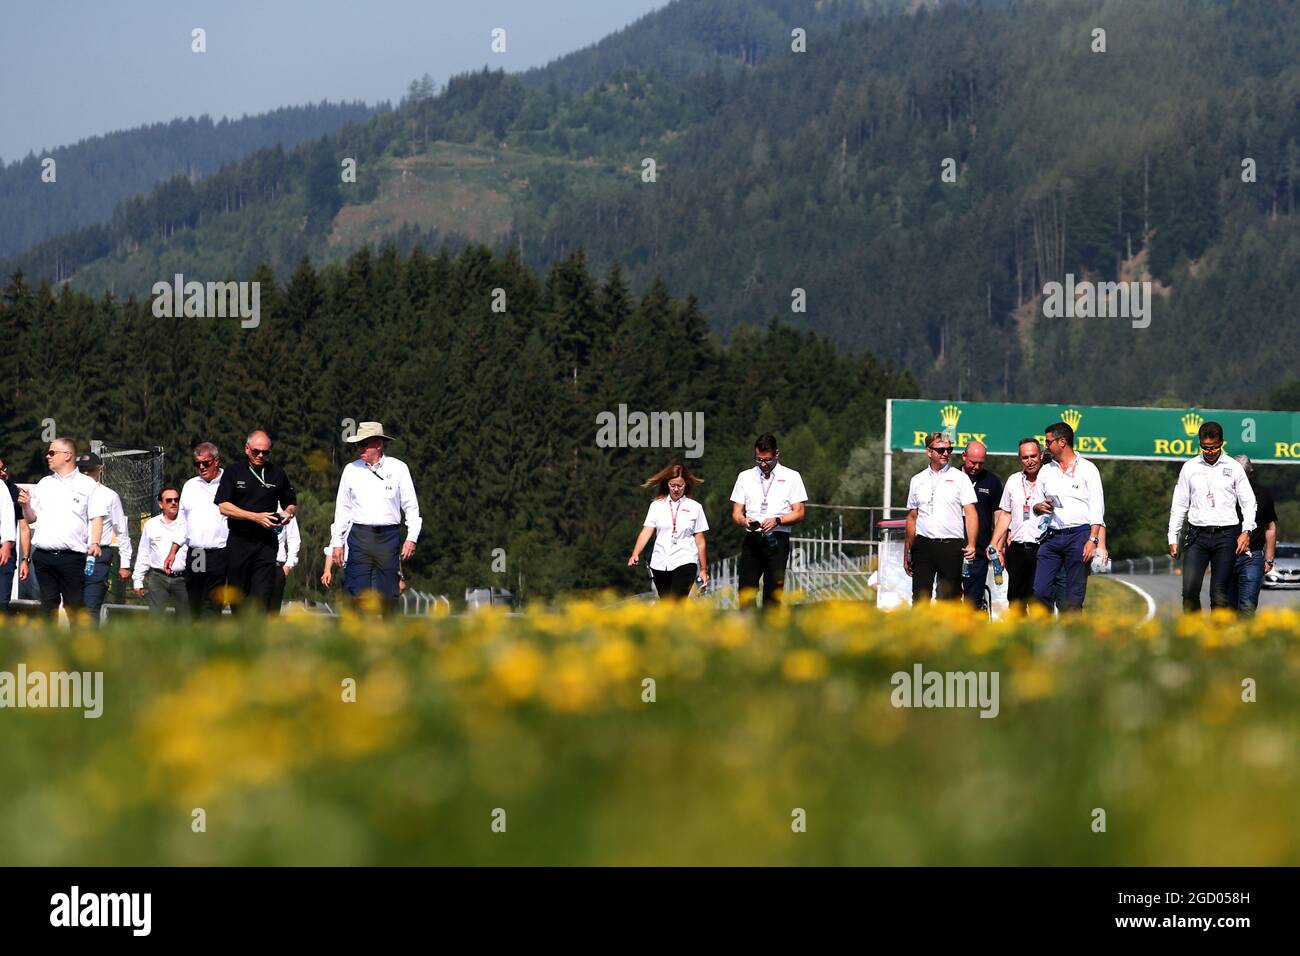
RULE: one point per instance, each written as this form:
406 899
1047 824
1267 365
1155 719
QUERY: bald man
988 492
256 497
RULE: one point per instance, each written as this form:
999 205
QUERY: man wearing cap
206 535
114 531
1248 573
153 572
256 497
66 516
1209 490
375 491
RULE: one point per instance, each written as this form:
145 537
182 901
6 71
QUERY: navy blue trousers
373 560
1062 550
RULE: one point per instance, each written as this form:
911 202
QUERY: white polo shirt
1207 495
64 509
769 497
115 532
939 498
379 495
1078 495
676 524
1019 495
156 538
205 525
8 517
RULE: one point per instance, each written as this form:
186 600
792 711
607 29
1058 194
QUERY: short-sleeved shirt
939 498
988 492
264 490
64 508
769 497
1078 493
676 524
1264 513
1019 496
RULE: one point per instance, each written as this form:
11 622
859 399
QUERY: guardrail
1159 564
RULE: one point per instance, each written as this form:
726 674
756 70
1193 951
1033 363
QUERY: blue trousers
373 560
1216 547
1062 551
7 577
972 585
1246 581
97 584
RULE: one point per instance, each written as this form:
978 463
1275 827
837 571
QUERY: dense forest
96 174
821 172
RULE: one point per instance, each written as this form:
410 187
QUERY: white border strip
1151 603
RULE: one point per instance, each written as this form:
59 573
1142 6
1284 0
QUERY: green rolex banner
1100 431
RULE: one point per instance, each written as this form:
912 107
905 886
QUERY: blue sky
69 69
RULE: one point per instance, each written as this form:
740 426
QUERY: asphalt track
1167 592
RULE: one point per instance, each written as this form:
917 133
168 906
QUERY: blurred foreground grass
543 716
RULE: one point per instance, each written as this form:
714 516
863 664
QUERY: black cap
89 462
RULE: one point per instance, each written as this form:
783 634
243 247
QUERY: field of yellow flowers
644 734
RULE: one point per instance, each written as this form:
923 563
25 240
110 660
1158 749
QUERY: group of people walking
228 536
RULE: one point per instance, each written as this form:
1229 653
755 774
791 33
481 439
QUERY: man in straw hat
375 491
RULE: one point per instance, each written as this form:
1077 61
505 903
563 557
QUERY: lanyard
1024 487
673 511
765 489
260 477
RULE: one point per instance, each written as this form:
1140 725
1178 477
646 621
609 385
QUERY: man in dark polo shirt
11 554
1249 570
988 492
255 496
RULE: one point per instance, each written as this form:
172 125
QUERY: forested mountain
822 172
95 174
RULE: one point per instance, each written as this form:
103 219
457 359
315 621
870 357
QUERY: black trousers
757 561
1216 547
1022 563
251 568
62 577
277 587
936 557
675 583
201 585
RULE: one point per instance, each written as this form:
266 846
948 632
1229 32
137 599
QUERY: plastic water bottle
965 567
90 565
997 566
699 583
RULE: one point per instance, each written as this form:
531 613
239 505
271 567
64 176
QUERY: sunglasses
51 454
764 461
942 451
205 463
170 501
1210 451
259 451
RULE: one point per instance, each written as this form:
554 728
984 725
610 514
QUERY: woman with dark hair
677 521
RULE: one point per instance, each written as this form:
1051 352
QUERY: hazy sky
76 68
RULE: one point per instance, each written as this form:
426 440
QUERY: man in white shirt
1210 488
766 500
9 516
114 540
941 524
206 533
157 536
1072 496
66 517
375 492
288 544
1015 519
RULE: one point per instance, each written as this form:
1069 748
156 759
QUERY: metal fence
1160 564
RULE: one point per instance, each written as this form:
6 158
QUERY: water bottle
997 566
699 583
90 565
965 566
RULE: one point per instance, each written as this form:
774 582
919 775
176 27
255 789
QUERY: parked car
1286 567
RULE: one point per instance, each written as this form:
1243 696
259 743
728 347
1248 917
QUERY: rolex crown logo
949 415
1192 423
1072 417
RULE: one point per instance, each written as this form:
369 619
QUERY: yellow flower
804 664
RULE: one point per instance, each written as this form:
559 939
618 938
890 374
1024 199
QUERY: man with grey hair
1250 568
66 515
206 534
988 492
256 497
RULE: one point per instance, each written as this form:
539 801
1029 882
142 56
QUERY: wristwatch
778 521
1094 539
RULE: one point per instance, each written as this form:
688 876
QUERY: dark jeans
1022 562
7 578
1246 581
277 587
201 586
936 557
374 558
160 588
675 583
96 586
756 562
251 569
972 586
63 578
1062 550
1217 548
